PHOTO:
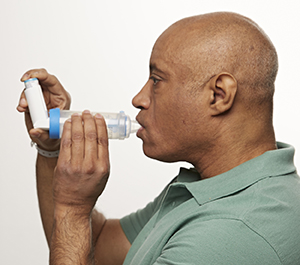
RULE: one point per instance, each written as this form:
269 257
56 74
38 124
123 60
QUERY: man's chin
160 156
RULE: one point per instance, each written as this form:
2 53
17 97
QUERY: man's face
171 112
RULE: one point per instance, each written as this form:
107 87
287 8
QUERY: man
208 101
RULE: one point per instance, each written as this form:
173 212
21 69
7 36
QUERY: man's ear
223 89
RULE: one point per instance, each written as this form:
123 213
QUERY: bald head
225 42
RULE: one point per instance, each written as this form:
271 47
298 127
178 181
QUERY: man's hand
55 97
79 178
83 165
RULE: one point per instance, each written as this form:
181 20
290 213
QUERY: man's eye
155 81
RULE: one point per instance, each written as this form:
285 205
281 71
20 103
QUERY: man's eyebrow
153 67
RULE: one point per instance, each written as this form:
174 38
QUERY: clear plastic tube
119 125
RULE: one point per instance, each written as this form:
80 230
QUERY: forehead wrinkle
168 52
154 68
165 61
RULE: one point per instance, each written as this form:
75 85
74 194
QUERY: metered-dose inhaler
119 125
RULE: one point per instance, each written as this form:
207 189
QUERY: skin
208 101
64 219
200 121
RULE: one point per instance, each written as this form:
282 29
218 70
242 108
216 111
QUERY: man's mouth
141 123
138 120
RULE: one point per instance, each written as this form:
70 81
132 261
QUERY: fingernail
87 112
35 135
98 116
23 101
24 77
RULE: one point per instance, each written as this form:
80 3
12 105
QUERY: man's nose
143 99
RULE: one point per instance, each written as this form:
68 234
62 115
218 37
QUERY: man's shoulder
266 214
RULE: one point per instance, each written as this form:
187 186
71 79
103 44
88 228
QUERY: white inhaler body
119 125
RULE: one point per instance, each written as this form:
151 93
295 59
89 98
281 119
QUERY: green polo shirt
248 215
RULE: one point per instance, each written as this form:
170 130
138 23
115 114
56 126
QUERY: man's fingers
66 142
77 134
40 74
23 105
102 138
45 79
39 133
90 134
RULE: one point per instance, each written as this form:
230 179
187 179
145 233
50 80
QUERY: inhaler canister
36 103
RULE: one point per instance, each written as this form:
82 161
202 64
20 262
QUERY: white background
100 52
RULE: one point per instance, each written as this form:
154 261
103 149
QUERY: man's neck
228 156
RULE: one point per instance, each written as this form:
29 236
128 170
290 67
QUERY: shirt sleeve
133 223
217 242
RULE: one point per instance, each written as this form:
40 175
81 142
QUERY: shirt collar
271 163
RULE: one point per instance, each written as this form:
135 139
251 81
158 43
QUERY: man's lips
141 123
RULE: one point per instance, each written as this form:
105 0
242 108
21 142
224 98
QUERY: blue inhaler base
54 127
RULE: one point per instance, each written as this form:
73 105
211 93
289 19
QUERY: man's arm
79 179
44 177
109 248
112 240
73 238
112 246
55 97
